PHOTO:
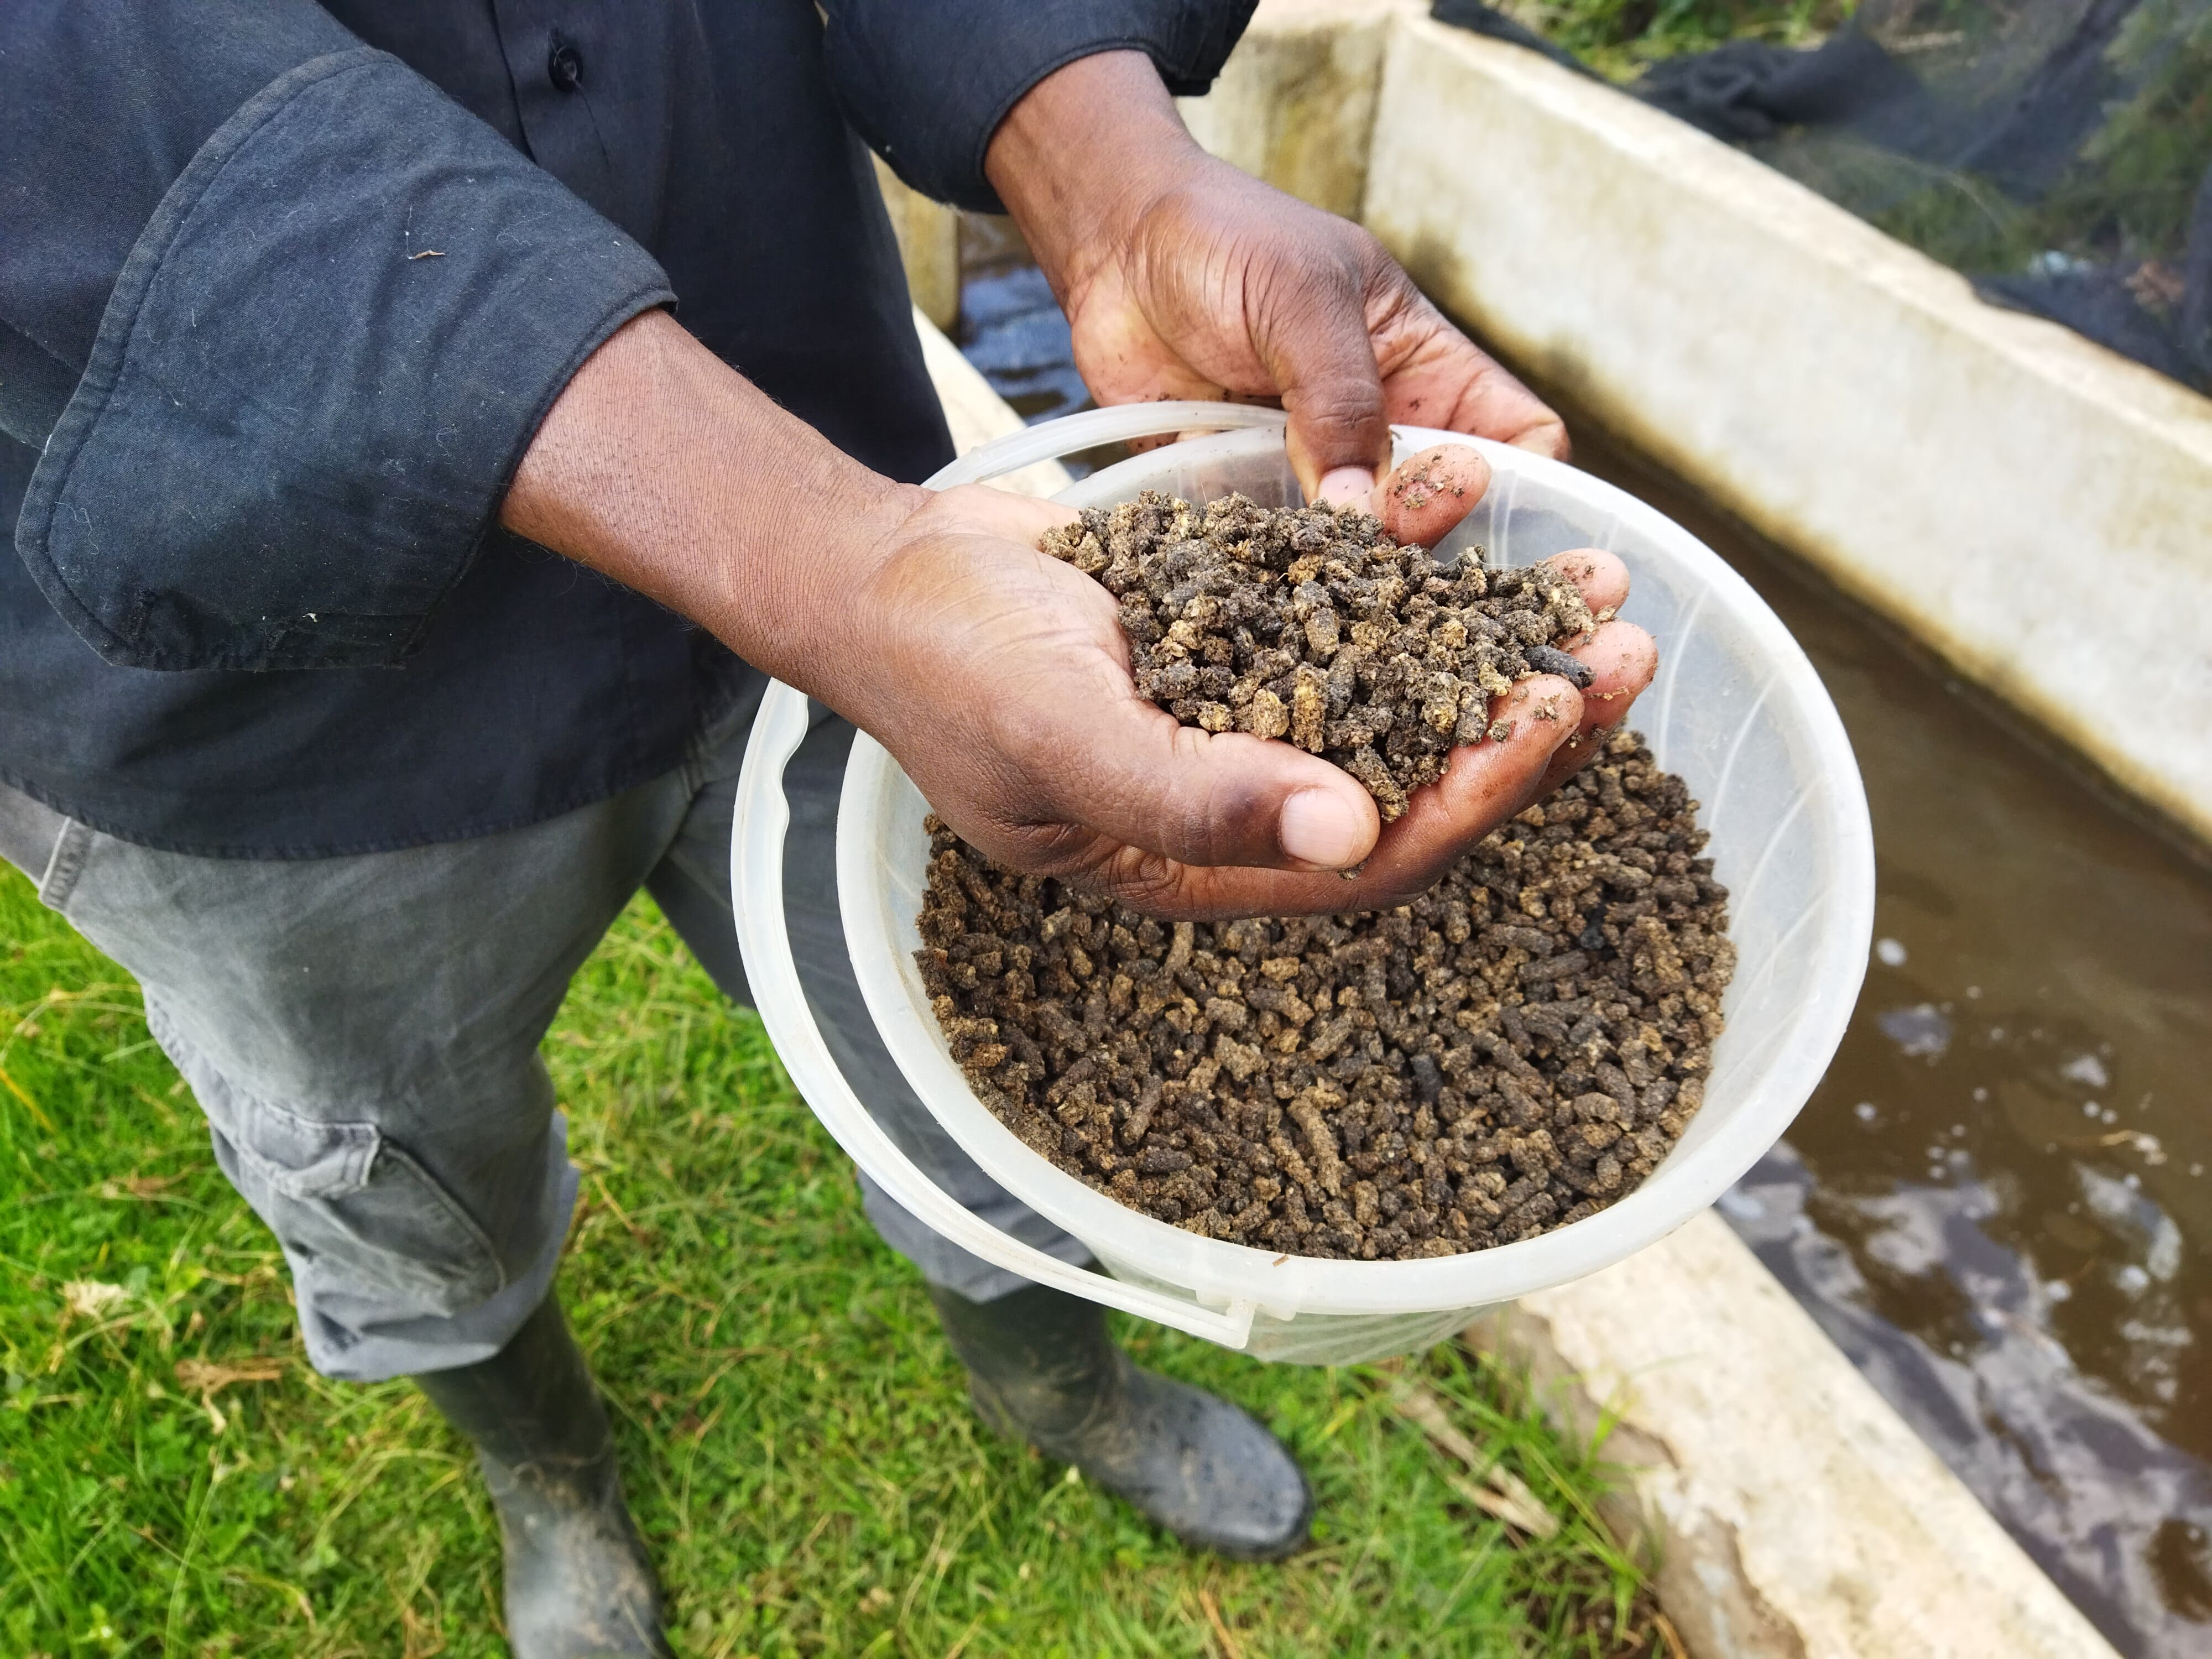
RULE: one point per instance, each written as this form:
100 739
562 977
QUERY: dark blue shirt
285 290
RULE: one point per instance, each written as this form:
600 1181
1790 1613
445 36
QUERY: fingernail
1321 827
1346 486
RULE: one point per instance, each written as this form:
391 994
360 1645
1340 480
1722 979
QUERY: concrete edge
975 413
928 236
1795 1515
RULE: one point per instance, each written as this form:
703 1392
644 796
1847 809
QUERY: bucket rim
1685 1182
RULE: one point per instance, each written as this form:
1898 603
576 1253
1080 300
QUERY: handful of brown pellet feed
1513 1051
1312 624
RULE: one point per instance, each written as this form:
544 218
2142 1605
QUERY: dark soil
1511 1052
1312 624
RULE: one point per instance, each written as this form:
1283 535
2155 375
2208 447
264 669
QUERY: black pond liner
2058 152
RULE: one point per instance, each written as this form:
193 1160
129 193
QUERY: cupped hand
999 677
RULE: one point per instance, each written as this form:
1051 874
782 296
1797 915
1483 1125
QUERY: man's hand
1000 677
1184 277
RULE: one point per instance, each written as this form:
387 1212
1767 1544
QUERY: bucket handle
763 821
1073 434
756 849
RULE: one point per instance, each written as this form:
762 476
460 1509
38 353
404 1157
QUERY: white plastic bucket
1736 709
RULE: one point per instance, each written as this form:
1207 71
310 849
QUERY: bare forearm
1082 155
664 469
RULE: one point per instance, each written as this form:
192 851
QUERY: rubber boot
1042 1368
579 1582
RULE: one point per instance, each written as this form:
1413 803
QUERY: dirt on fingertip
1312 625
1515 1050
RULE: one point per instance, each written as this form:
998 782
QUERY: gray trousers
362 1034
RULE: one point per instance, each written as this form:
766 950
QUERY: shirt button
565 68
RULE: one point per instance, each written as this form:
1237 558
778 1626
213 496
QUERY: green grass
1622 38
796 1438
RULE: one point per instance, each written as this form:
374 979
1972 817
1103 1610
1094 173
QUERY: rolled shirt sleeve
320 359
928 82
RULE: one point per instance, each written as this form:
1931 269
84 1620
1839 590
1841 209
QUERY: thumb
1228 798
1321 357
